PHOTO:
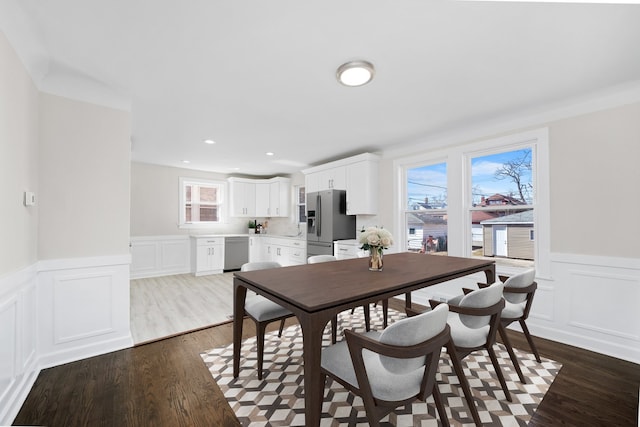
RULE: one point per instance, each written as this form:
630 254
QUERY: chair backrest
259 265
314 259
410 331
481 298
521 280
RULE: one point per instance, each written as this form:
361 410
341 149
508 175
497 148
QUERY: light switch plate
29 198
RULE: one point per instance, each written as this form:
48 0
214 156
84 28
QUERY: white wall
64 263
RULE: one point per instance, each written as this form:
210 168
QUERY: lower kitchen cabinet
281 250
209 255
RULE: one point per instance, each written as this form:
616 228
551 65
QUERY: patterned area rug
278 399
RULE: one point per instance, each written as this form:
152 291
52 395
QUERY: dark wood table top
314 287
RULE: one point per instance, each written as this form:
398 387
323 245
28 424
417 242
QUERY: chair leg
523 325
457 367
496 366
281 328
514 359
367 317
438 400
334 329
385 312
260 330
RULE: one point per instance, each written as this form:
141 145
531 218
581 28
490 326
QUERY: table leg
239 296
457 366
490 274
312 328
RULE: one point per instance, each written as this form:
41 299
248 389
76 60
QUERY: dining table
316 293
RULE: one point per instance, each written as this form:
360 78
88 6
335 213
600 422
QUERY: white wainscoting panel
9 340
155 256
618 319
83 308
590 302
82 296
18 359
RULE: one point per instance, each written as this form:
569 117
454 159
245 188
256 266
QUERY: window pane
426 215
427 232
187 192
502 220
427 187
208 195
502 179
301 191
504 235
188 213
208 213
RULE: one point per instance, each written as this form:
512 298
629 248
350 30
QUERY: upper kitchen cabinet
328 179
362 188
357 175
260 197
243 197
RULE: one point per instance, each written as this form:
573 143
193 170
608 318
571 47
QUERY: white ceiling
259 76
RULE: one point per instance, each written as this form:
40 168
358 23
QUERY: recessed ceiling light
355 73
209 141
186 162
269 153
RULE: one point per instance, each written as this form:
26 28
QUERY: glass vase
375 259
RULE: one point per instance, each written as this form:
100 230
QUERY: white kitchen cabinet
255 249
273 197
262 198
280 197
362 188
358 175
328 179
284 251
297 252
347 249
243 197
209 255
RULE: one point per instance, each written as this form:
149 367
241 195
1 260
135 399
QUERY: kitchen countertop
217 235
301 237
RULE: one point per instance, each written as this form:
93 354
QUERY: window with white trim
201 202
515 167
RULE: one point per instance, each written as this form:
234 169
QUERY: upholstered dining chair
394 367
518 295
263 311
474 318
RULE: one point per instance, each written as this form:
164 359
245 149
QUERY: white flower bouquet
375 238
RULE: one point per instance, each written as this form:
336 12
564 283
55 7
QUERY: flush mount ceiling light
355 73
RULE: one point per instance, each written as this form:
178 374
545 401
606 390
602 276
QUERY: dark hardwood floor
165 383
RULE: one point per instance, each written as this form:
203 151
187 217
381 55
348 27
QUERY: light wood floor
165 306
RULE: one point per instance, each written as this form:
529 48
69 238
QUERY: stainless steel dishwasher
236 252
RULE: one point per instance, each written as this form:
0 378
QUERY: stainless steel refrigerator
327 220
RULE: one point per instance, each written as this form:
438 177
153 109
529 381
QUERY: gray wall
18 162
75 157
